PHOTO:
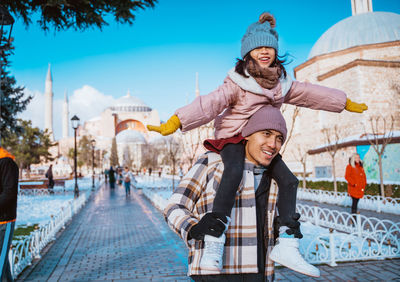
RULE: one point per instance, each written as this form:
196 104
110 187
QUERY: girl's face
264 56
357 158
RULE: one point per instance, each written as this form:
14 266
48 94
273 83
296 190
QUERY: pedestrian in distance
106 176
250 232
111 177
128 180
50 178
258 79
356 180
8 209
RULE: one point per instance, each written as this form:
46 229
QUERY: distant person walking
111 177
356 179
128 179
8 209
49 176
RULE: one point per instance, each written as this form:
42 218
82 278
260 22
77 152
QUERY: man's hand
211 224
172 125
355 107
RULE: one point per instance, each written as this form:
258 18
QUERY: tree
172 148
30 147
85 151
12 100
114 153
192 141
150 154
296 111
301 156
76 14
382 134
332 138
127 159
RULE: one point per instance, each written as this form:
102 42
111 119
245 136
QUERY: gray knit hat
259 34
267 117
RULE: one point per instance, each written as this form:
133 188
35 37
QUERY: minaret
48 95
65 116
361 6
197 85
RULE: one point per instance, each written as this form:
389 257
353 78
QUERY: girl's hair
241 65
352 160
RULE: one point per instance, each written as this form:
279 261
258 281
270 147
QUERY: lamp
93 142
75 124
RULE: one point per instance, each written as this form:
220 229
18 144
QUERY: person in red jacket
355 176
8 209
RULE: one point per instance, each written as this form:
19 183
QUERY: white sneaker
286 253
213 252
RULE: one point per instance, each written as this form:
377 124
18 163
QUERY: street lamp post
75 124
93 144
6 22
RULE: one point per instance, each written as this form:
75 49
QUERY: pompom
267 17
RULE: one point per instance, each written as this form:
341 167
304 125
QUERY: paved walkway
115 238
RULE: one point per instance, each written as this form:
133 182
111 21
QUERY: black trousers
6 234
354 205
233 158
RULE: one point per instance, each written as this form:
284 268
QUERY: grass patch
24 230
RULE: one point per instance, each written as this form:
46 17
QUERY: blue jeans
127 187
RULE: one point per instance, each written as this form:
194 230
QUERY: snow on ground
38 209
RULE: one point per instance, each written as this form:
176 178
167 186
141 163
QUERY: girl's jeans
127 187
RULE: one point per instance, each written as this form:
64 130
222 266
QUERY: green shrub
370 189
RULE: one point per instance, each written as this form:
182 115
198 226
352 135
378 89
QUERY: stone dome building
361 56
125 120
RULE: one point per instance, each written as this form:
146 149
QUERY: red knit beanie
267 117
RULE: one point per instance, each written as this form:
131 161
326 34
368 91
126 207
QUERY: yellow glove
355 107
172 125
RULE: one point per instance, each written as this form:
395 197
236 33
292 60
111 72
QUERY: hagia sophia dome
130 103
357 30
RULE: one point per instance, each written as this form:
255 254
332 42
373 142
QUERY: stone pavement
119 238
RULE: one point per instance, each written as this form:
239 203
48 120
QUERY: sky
157 57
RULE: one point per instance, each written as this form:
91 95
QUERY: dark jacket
8 186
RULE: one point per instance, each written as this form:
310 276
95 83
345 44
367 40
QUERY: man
50 177
250 236
8 209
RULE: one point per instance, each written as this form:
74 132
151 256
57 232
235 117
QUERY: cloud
86 102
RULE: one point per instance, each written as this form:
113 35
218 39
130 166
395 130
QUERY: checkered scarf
194 197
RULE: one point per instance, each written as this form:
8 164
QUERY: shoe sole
295 269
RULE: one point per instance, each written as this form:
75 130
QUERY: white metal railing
29 247
368 202
351 237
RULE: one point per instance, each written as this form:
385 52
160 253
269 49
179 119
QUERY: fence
28 248
368 202
351 237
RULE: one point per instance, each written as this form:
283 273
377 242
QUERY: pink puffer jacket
238 98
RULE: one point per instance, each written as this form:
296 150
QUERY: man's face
263 146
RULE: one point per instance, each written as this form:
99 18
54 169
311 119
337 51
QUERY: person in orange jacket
8 209
355 176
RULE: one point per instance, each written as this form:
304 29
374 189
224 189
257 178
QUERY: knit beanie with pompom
260 34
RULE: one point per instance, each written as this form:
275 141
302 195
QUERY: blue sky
157 57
